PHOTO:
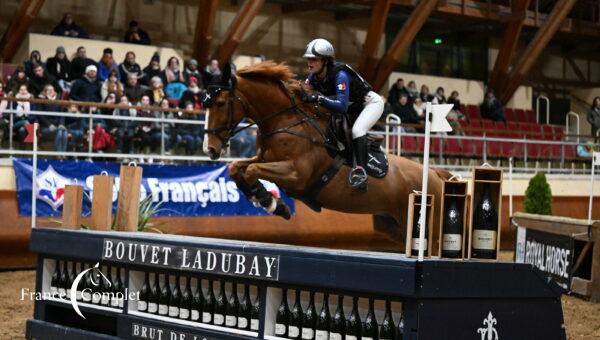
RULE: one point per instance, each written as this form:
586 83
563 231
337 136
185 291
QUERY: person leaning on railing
145 131
189 136
53 126
593 116
123 130
170 129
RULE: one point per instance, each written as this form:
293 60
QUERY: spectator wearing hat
68 28
80 63
192 70
152 70
129 66
192 95
106 64
136 35
59 67
40 79
133 90
88 88
35 58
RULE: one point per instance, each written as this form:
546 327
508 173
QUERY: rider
343 90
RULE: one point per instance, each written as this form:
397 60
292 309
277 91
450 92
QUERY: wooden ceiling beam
18 28
203 36
368 58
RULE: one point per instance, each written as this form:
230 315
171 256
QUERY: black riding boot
358 175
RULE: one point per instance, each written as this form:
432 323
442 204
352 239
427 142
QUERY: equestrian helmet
319 48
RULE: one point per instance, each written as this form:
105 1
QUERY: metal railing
567 123
537 109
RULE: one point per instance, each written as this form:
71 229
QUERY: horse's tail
443 173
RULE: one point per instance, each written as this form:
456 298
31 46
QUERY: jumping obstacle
432 299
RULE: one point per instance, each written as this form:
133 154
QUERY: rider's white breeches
369 115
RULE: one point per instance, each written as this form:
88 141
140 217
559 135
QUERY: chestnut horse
292 153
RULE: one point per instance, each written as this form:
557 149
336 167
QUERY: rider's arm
342 94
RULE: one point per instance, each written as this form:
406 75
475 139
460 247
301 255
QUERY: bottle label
61 292
335 336
173 311
69 293
293 332
152 307
78 295
484 239
206 317
254 324
114 302
230 320
351 337
96 298
308 333
105 299
121 301
452 242
184 313
53 291
142 306
279 329
415 244
322 335
195 315
242 322
219 319
86 296
163 309
366 338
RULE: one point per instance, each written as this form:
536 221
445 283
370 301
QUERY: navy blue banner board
184 190
553 254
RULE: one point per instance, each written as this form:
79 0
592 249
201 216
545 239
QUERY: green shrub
538 197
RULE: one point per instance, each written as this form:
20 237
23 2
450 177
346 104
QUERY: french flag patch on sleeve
342 86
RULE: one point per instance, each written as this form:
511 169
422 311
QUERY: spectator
168 128
129 66
18 78
53 126
412 91
193 95
403 109
80 63
107 64
59 67
123 130
68 28
593 116
152 70
439 97
491 108
175 90
136 35
156 92
146 135
87 89
112 85
453 99
190 136
111 98
396 90
425 95
133 89
419 108
35 58
243 144
40 79
21 116
192 71
212 74
172 73
75 127
4 121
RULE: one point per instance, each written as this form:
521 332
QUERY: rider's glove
311 98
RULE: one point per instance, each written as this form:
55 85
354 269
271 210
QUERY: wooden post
368 59
129 198
205 22
72 206
18 27
102 203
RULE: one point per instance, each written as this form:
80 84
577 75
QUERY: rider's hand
311 98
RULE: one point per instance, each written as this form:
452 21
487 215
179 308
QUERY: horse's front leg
282 173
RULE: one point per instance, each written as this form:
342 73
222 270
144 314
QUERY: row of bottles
180 301
101 285
296 323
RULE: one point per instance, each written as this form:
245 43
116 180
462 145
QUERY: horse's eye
220 103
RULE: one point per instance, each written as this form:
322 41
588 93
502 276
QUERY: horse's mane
267 70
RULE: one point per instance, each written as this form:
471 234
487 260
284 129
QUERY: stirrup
358 178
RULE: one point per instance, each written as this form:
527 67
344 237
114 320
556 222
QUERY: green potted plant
538 196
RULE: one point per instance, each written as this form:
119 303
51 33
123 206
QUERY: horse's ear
226 74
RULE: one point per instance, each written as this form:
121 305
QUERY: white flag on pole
439 123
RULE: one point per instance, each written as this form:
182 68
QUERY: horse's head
224 113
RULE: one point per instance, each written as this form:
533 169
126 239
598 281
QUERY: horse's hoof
282 210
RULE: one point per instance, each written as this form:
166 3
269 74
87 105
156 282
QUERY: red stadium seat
488 125
512 126
435 144
558 132
530 116
548 132
533 150
473 112
452 147
510 114
520 115
475 126
409 145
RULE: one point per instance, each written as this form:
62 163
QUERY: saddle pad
377 165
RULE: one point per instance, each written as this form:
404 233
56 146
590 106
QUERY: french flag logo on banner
342 86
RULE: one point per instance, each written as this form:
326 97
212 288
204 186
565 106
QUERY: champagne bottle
186 301
400 328
197 303
295 319
387 330
87 287
144 297
80 284
354 326
283 314
105 289
114 298
244 314
254 321
324 320
154 296
209 304
233 304
165 297
96 286
120 289
416 233
485 226
338 322
220 306
174 301
70 280
370 329
310 319
453 230
64 281
55 282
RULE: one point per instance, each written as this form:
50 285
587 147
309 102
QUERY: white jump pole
423 211
595 162
34 177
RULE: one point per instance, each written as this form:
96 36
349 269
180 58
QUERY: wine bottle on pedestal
416 233
164 297
64 281
244 314
55 282
209 304
220 306
254 321
354 326
452 230
485 226
175 300
197 303
387 330
283 313
233 304
295 320
324 321
310 319
154 296
142 304
370 329
70 280
338 322
186 301
400 335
